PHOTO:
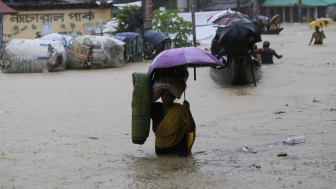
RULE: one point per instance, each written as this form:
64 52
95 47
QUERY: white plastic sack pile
27 56
110 27
63 40
107 52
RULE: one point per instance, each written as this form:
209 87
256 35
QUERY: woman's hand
186 105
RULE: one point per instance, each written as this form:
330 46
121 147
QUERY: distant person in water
267 53
319 36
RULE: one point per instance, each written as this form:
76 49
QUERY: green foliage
170 23
123 18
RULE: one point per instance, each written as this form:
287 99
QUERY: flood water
72 129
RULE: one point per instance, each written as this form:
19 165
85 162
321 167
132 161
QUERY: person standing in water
318 36
267 53
173 125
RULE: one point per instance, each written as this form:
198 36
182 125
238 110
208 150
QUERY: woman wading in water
173 125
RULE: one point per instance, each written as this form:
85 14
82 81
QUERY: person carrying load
172 123
173 126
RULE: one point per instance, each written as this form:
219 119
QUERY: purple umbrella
192 56
261 17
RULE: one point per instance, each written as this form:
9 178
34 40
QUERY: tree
170 23
129 19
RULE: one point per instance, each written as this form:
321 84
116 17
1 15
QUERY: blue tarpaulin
120 38
154 37
130 35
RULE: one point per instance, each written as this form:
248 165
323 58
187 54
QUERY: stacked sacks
26 56
107 52
174 79
63 40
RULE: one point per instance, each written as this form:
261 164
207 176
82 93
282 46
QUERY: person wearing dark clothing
261 25
267 53
214 45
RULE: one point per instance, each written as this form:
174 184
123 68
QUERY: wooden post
193 21
291 14
283 15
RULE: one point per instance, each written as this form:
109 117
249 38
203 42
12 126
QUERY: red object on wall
148 9
148 2
7 10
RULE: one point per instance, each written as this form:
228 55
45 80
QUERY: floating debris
282 154
281 112
314 100
53 131
299 110
258 166
93 138
300 182
126 133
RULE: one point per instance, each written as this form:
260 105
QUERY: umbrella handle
184 84
194 73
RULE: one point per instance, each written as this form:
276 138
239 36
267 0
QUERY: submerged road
72 129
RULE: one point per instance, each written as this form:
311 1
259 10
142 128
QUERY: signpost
147 12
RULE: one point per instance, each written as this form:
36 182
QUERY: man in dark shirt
267 53
214 45
261 26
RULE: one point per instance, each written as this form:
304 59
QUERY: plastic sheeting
26 56
130 35
154 37
64 40
107 52
61 39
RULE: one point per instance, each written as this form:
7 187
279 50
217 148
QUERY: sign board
46 29
148 2
148 6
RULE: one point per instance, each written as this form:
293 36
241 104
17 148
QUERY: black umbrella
228 17
239 36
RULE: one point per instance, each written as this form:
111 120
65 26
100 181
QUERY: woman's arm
190 120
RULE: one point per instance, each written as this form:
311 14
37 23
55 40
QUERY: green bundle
141 107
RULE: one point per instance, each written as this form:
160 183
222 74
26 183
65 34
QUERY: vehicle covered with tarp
136 44
154 43
32 56
127 51
96 52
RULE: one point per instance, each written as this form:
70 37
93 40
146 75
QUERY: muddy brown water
72 129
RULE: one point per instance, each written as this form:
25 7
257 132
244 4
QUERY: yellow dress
173 127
